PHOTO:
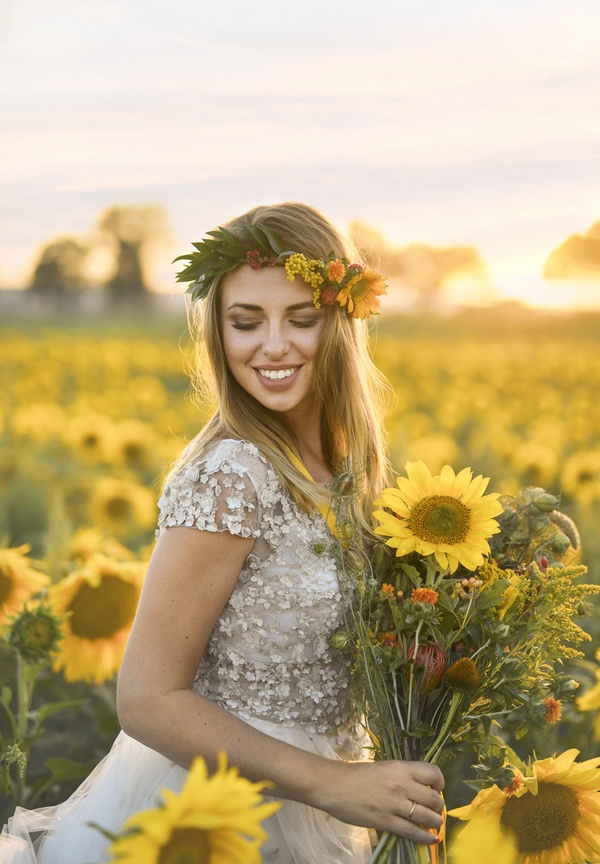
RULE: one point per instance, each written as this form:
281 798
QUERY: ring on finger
412 810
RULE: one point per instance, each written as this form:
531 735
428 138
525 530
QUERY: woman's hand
381 795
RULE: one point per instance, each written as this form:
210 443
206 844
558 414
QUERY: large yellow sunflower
99 601
553 815
447 516
212 820
18 580
361 294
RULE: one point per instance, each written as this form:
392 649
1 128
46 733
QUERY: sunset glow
472 125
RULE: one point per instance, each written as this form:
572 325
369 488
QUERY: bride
230 649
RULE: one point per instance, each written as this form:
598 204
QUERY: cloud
577 258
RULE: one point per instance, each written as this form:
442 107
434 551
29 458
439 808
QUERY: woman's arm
190 577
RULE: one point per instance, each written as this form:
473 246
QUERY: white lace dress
269 661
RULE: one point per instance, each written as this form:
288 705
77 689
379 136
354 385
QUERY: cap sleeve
219 492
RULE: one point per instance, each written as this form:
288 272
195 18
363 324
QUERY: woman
230 649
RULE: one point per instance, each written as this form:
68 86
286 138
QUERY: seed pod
348 531
546 502
560 543
340 639
354 560
344 484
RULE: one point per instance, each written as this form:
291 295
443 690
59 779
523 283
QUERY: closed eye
305 322
244 325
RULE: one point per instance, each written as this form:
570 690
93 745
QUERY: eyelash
238 325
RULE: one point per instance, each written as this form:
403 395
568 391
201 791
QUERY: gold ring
412 810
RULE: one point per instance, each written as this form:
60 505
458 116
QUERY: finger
430 799
422 816
428 775
413 831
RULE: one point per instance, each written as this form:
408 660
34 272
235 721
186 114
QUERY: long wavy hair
352 396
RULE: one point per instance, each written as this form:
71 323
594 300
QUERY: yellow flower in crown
361 295
18 580
98 601
553 817
447 516
213 820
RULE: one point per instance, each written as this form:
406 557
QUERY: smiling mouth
278 374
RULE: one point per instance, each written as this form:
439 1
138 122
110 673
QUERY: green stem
410 674
431 754
24 695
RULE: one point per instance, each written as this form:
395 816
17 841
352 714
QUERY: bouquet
459 620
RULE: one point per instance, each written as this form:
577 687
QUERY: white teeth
278 374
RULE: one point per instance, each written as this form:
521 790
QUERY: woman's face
271 336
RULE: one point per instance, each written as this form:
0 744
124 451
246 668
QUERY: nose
275 343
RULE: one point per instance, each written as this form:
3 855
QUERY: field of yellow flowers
90 418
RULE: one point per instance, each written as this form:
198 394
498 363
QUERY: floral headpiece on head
352 286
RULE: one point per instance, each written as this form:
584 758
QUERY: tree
577 258
419 266
60 268
130 231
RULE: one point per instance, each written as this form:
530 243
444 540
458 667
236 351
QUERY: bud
344 484
519 536
354 560
35 633
340 640
546 502
432 659
348 531
560 543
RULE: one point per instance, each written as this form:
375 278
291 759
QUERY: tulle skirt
130 779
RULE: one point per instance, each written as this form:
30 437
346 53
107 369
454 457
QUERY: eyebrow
252 307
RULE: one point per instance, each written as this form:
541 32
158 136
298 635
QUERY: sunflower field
91 417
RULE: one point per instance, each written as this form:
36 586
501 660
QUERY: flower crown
352 286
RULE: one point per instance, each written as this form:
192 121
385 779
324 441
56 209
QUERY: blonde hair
351 394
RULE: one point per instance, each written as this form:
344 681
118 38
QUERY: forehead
268 287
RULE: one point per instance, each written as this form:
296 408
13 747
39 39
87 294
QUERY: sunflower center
99 612
6 586
440 519
118 507
542 821
186 846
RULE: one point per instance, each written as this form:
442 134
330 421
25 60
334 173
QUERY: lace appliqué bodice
269 655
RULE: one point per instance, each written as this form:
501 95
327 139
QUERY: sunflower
580 476
99 601
120 504
18 580
90 437
361 294
447 516
134 444
590 701
554 818
212 820
89 541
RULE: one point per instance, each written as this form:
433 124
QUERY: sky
470 123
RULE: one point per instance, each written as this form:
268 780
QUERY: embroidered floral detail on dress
269 655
